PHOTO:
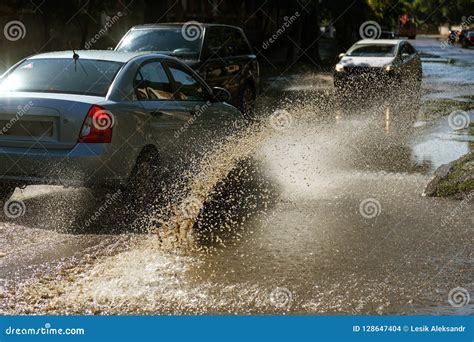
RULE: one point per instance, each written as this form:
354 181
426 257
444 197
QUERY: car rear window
372 50
168 40
55 75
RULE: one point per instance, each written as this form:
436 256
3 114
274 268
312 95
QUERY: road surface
318 212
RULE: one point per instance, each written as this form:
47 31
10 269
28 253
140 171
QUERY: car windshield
372 50
57 75
168 40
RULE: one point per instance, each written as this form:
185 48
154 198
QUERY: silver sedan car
96 118
378 64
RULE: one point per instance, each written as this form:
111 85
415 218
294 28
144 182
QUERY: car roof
179 24
380 41
103 55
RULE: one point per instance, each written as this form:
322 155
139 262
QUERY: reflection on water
408 145
387 119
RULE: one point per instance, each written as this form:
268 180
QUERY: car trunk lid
43 120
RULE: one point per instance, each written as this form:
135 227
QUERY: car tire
143 180
247 101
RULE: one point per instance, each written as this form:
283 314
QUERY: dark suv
221 54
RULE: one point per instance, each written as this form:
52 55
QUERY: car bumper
375 80
83 165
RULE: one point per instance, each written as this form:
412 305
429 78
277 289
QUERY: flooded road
317 211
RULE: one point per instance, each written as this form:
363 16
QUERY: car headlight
339 67
389 68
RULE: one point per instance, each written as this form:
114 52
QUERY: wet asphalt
323 214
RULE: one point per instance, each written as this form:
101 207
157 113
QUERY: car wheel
142 183
247 101
6 191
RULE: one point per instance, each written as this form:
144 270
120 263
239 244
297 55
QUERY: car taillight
97 126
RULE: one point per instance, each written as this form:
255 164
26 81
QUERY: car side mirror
405 56
220 94
341 55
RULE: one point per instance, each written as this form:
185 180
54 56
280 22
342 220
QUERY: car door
213 66
238 60
162 114
208 120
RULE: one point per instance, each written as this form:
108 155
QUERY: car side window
235 43
214 43
408 49
402 50
185 86
152 83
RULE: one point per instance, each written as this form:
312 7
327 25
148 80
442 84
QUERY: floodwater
316 211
